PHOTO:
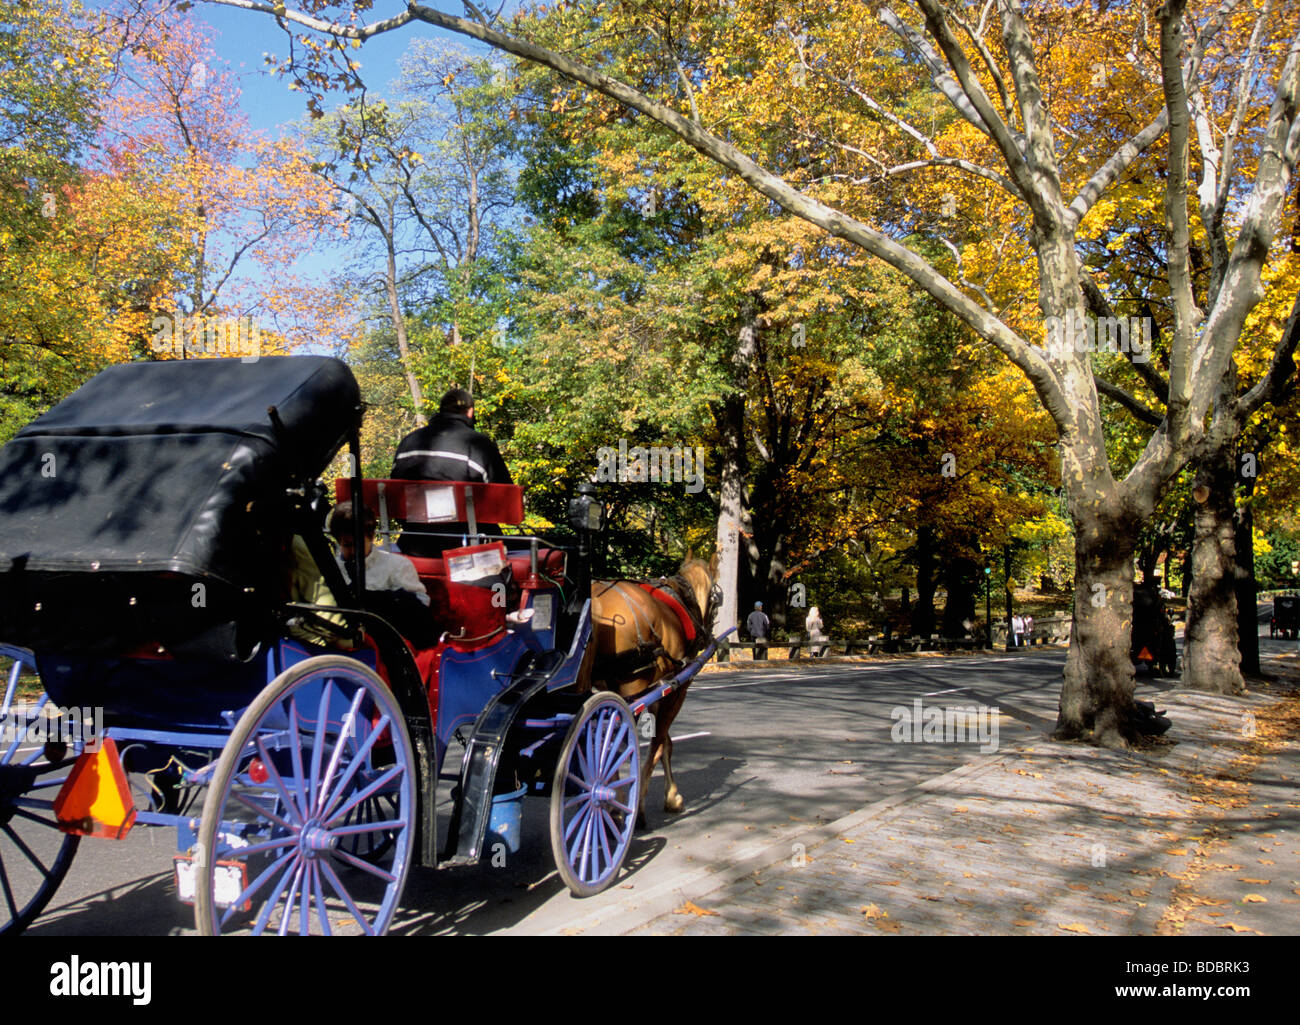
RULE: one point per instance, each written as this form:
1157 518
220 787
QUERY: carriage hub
316 839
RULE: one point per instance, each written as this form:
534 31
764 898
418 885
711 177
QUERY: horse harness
675 594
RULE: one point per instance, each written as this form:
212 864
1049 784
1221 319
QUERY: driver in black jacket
448 449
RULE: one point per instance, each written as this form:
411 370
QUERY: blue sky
241 38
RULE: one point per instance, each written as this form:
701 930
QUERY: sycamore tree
834 70
427 184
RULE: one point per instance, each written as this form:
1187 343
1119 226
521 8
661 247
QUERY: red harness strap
667 597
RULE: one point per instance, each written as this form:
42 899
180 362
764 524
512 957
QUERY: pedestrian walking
816 638
1017 630
758 626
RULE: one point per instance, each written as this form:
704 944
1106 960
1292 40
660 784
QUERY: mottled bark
1211 658
1097 695
731 429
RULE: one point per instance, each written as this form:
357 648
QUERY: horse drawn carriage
1285 619
147 525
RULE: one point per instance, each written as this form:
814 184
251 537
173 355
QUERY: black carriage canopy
151 503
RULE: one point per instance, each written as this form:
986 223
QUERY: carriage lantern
586 512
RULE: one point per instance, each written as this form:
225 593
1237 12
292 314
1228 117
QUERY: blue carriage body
148 574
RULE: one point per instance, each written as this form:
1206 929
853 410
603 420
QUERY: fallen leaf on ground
1254 882
1022 923
1254 898
873 911
691 908
1074 927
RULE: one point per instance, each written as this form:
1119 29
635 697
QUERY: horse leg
643 785
673 800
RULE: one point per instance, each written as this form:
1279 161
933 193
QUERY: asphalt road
762 755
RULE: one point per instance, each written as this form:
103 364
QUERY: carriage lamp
257 771
586 512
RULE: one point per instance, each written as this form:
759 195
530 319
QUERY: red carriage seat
434 502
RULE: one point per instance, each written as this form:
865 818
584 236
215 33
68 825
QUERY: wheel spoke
368 827
340 745
605 822
606 770
287 915
606 728
613 769
265 915
296 813
337 886
9 894
365 866
36 818
323 912
263 812
295 750
574 822
256 884
378 784
357 761
9 832
266 845
318 745
582 768
304 901
586 846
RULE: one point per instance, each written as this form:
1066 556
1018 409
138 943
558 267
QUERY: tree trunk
1211 658
1097 695
926 582
731 427
399 325
961 579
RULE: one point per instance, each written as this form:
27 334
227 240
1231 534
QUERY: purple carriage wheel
35 854
594 796
309 821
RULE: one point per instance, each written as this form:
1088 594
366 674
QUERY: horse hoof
641 825
674 804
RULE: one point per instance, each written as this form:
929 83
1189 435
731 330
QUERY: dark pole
988 609
1006 563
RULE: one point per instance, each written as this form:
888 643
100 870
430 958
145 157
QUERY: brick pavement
1048 839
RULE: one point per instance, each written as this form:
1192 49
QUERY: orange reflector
95 799
1145 656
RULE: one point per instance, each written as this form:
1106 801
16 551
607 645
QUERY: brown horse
640 638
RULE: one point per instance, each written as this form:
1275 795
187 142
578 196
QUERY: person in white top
813 624
393 586
384 570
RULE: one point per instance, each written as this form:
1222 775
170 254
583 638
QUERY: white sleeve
407 579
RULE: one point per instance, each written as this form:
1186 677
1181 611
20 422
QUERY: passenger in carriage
393 588
448 449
